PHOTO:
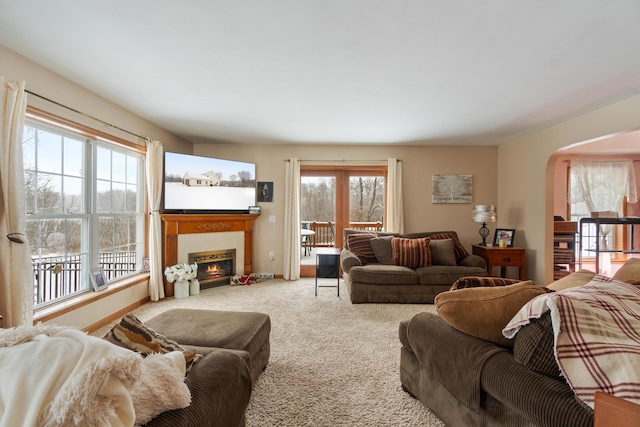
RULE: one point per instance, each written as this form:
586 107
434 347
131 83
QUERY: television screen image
205 184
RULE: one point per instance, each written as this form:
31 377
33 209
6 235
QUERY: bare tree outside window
317 199
366 199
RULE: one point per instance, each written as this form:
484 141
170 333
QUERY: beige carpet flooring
332 363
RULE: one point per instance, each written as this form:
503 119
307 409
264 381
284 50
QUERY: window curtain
292 220
16 272
602 186
394 213
153 177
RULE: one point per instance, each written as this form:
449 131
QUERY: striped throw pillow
412 253
459 250
132 334
360 245
478 282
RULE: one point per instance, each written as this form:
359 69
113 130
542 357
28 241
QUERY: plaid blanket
597 336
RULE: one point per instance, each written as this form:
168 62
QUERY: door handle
507 259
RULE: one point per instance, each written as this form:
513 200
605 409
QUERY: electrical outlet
272 218
272 256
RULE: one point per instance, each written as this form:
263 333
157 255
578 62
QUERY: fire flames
214 271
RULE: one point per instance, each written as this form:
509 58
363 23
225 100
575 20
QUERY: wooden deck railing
58 276
324 237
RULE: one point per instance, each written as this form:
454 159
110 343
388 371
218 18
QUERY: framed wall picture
98 279
146 265
504 237
451 188
265 191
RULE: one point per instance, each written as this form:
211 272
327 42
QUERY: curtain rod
87 115
340 160
605 160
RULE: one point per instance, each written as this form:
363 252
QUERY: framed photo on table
504 234
98 279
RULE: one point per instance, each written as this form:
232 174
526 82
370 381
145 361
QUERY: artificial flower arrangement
181 272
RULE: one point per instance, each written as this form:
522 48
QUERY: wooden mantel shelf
176 224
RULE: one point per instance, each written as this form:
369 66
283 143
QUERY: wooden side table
614 411
503 258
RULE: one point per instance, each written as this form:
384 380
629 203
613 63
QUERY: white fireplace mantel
174 225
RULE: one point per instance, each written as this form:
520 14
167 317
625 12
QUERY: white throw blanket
57 376
597 336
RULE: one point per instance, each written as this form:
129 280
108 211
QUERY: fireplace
196 232
215 268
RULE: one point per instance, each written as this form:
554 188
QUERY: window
85 209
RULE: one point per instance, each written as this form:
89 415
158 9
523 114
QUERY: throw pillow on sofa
533 346
629 272
132 334
411 253
382 249
460 250
161 387
442 252
483 312
360 246
578 278
478 281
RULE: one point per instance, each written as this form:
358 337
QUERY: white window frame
89 215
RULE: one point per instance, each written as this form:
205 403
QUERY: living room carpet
332 363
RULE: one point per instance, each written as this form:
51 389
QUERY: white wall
526 176
419 163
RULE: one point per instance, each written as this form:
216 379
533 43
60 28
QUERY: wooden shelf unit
564 248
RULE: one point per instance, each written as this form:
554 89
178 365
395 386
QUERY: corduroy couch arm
220 385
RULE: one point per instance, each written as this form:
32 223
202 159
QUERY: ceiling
339 71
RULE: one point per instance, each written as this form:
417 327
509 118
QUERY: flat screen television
199 184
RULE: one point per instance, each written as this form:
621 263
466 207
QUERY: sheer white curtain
602 186
153 177
394 212
292 220
16 273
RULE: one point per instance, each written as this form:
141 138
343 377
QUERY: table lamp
484 214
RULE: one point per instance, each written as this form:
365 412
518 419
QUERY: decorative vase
181 289
194 287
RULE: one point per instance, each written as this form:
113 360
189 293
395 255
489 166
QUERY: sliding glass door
333 198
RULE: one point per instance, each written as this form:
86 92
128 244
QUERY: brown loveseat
371 277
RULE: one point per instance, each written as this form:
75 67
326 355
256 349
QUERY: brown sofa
236 350
460 366
467 381
376 280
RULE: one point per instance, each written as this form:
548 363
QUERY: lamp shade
484 213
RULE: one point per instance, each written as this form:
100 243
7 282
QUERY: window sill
47 313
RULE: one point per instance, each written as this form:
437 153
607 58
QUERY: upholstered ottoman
207 329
